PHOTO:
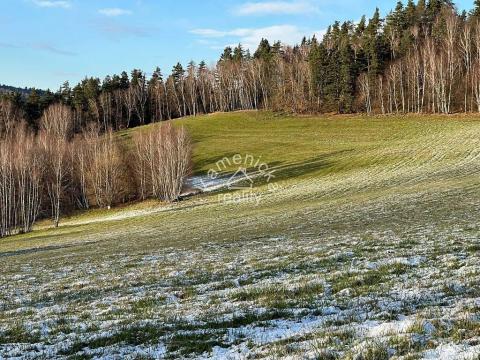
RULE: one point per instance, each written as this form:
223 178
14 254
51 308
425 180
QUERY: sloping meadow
364 244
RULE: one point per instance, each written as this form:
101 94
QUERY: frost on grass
376 263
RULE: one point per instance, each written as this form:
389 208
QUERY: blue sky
45 42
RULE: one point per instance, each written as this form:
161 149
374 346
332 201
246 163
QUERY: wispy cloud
42 46
113 12
275 7
117 30
8 45
51 49
210 32
250 37
52 4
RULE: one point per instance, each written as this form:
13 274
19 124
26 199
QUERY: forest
421 58
58 150
54 170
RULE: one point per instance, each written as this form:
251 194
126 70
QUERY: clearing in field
363 242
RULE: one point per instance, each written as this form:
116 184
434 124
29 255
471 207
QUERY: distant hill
23 91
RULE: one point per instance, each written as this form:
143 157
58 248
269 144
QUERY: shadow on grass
42 249
281 169
284 171
212 161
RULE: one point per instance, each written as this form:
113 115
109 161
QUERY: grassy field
364 244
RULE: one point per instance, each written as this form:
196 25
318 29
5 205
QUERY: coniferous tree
264 51
407 62
32 107
347 71
475 12
238 53
227 54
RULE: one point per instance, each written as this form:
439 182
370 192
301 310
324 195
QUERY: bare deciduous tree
29 169
105 172
56 126
9 115
21 170
163 158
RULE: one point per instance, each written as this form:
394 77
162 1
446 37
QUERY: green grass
311 145
339 150
188 344
126 336
18 334
356 198
372 351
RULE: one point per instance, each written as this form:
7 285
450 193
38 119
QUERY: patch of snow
453 352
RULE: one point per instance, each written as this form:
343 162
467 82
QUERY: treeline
53 170
422 57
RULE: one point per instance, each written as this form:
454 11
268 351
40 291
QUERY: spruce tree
227 55
238 53
411 13
202 67
347 72
178 72
318 62
157 75
475 12
277 47
33 110
65 93
124 80
264 51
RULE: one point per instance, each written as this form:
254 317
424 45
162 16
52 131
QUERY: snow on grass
377 255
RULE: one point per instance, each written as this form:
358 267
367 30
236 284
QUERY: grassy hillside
368 242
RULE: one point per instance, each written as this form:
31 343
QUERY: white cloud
53 4
250 37
275 7
112 12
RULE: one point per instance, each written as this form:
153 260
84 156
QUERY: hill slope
23 91
364 239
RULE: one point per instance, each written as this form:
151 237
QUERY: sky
46 42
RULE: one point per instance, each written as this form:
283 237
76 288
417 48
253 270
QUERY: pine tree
421 13
124 81
411 13
318 62
227 55
157 75
362 25
264 51
373 45
33 110
277 47
475 12
91 88
65 93
238 53
202 67
107 85
137 77
347 72
396 19
178 73
116 82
